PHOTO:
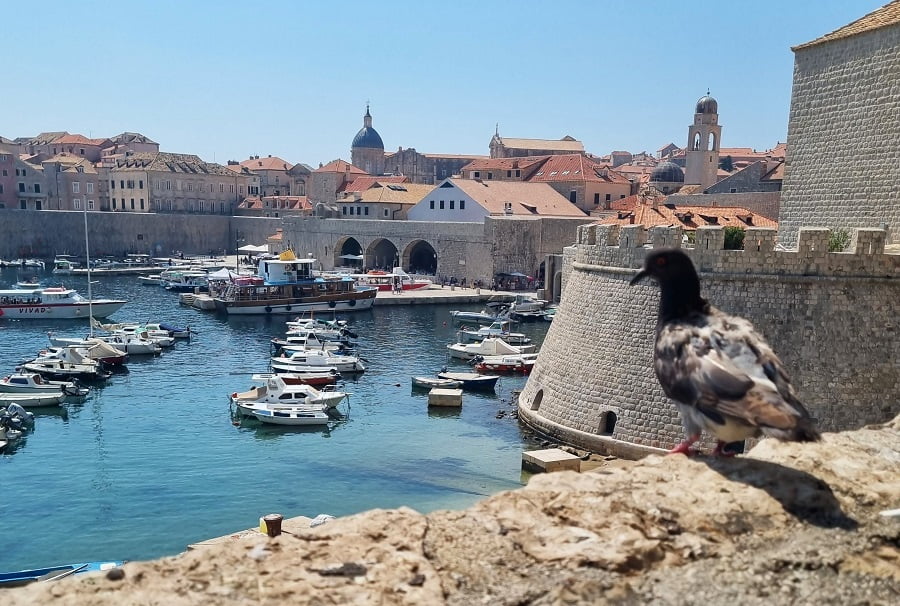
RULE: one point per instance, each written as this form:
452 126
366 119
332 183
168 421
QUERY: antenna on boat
87 255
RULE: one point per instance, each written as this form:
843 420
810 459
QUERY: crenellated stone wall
833 318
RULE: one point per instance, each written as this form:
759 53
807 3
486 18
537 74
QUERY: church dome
707 105
367 137
667 172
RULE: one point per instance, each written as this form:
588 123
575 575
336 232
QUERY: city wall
43 234
833 318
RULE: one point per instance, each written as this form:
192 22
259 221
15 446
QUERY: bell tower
704 135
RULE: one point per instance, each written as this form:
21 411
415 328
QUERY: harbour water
152 461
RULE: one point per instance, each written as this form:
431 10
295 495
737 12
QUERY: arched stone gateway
420 257
382 254
348 253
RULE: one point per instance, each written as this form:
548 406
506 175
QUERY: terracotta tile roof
693 188
575 167
364 183
287 202
79 140
887 15
251 202
565 144
527 199
391 193
522 163
267 163
340 166
776 174
171 163
127 137
639 211
42 138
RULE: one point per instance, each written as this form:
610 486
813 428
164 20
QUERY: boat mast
87 255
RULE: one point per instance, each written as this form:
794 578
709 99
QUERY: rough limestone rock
787 524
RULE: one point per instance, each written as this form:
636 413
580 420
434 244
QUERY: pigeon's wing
714 367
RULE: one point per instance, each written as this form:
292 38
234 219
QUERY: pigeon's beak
639 276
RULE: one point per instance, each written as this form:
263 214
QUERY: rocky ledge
786 524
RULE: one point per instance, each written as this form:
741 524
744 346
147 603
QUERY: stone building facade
605 396
844 130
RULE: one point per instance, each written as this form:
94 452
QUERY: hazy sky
226 79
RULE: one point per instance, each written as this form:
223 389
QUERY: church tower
367 149
702 155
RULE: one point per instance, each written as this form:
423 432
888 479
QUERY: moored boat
288 285
471 380
289 415
321 358
497 329
315 378
33 383
521 363
32 400
276 391
23 577
434 383
395 280
490 346
52 303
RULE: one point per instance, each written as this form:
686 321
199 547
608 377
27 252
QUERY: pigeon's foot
720 451
685 447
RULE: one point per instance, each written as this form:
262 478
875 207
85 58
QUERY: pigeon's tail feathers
803 431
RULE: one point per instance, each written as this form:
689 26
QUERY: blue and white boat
23 577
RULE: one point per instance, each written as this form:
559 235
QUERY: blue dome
367 137
707 105
667 172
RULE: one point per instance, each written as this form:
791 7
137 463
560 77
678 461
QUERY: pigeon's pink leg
685 447
719 450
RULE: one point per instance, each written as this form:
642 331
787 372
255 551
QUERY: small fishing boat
521 363
23 577
478 317
497 329
432 383
60 370
33 383
32 400
490 346
315 378
289 415
319 357
471 380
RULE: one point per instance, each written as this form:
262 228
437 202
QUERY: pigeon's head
667 266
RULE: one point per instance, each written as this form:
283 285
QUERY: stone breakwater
833 318
788 524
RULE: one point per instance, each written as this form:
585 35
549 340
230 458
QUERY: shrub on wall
838 240
734 238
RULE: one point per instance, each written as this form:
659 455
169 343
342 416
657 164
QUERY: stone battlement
612 245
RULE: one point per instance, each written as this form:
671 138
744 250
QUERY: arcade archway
382 254
348 253
420 258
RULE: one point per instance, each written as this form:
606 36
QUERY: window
385 210
158 184
190 186
201 204
462 205
112 184
168 186
191 205
452 202
23 204
132 204
81 151
621 196
23 172
476 174
733 190
114 203
221 188
573 195
37 188
5 173
170 205
76 203
37 205
1 188
90 188
90 205
367 211
608 197
231 188
432 204
490 175
121 184
222 207
22 187
141 184
344 209
509 173
76 187
518 173
142 204
442 205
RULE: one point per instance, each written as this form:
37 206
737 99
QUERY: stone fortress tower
367 149
704 135
832 317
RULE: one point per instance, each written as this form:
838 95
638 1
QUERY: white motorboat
490 346
132 345
151 280
433 383
306 340
289 415
32 400
477 317
53 302
33 383
526 308
60 370
276 391
319 358
497 329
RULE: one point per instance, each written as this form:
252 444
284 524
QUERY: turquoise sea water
152 462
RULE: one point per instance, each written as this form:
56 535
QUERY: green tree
726 163
734 238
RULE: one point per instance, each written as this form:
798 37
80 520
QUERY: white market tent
262 248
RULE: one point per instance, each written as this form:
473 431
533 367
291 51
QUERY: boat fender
287 308
331 304
268 309
352 303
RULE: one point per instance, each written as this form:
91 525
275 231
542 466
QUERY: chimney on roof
507 208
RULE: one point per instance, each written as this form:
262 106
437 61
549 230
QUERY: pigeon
723 376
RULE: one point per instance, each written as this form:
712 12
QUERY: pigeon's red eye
660 261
